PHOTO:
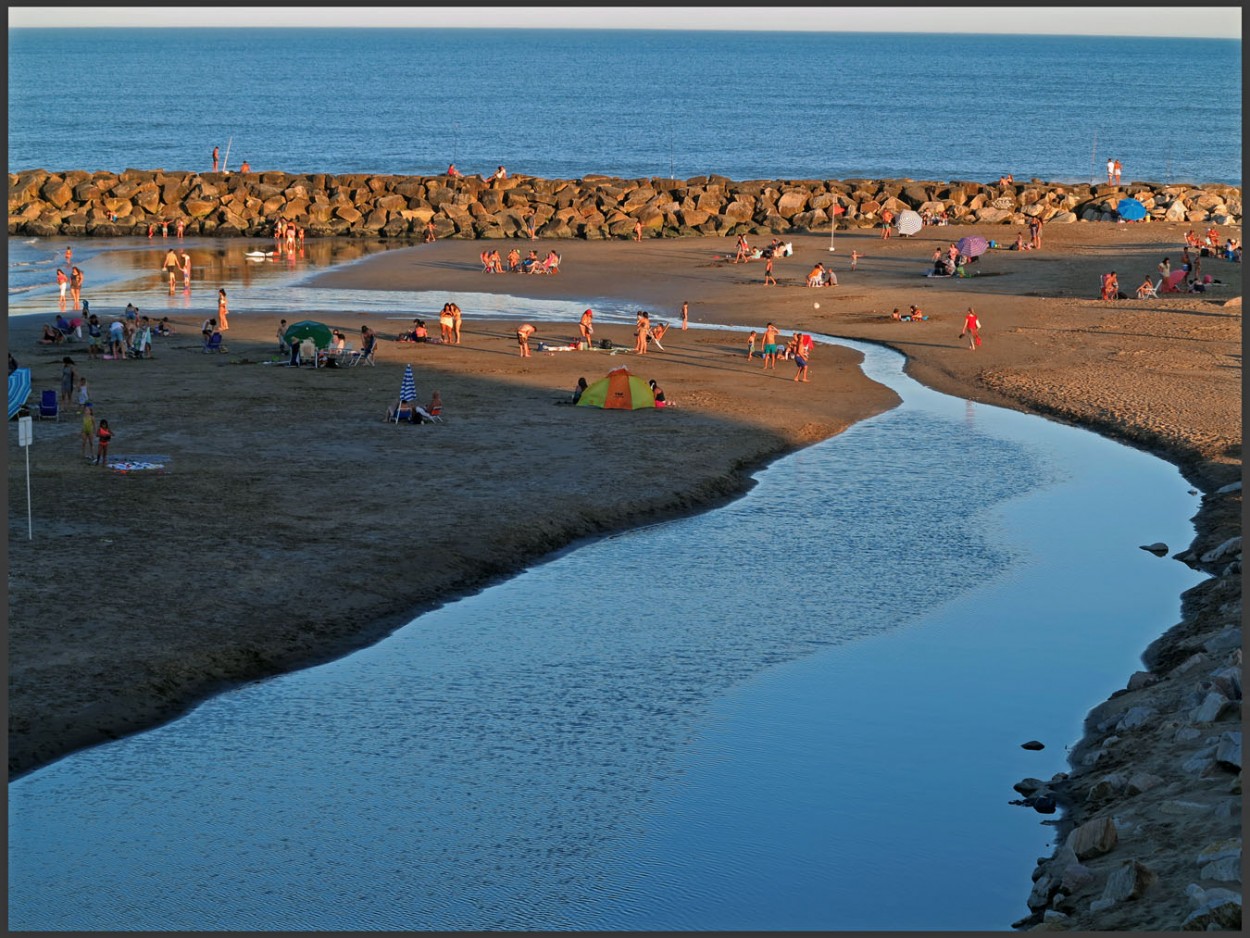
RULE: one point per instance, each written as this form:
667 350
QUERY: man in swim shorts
523 338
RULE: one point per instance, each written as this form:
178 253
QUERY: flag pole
227 159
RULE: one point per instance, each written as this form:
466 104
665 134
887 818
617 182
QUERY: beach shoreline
1154 374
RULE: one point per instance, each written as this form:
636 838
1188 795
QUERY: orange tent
619 390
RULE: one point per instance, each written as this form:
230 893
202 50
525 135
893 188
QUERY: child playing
84 399
88 431
103 436
751 345
855 256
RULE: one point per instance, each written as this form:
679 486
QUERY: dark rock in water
1033 744
1027 786
1042 804
1158 548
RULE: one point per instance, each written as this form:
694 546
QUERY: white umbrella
909 222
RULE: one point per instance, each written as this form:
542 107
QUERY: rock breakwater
78 203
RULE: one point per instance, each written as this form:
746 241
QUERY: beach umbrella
909 222
319 332
972 246
1131 210
1175 277
407 387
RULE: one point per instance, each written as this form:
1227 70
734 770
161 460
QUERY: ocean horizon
635 103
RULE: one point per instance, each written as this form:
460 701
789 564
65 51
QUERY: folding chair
365 354
1146 293
214 343
403 411
49 409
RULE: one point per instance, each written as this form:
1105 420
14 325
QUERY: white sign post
25 433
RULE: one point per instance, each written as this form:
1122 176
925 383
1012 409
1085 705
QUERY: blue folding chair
49 409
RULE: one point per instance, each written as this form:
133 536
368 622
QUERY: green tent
319 332
619 390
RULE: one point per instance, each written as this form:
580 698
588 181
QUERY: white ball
816 305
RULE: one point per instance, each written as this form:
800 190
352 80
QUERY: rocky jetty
1151 833
77 203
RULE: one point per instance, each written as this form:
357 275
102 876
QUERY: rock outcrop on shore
1152 804
77 203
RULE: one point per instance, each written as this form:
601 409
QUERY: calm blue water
801 711
565 103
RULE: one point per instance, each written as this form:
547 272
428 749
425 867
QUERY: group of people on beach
175 264
180 227
492 263
798 349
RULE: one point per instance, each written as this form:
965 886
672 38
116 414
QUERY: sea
567 103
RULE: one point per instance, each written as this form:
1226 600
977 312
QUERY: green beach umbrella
319 332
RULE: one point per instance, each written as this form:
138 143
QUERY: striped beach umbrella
407 387
909 222
972 246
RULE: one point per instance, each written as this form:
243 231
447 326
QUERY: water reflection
801 710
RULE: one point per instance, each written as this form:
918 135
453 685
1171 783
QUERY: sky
1177 20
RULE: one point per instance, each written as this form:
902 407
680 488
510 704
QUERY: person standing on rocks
1110 171
1118 169
216 151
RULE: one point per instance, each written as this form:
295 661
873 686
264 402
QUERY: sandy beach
293 524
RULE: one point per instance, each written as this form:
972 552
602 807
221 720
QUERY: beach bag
605 343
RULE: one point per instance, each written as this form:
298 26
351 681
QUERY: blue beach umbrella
1131 209
407 387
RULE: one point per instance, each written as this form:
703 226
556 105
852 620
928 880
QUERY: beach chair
554 266
365 354
434 414
1151 291
403 411
49 409
214 343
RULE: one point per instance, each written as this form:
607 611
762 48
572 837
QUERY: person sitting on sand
579 390
817 275
1110 286
51 335
656 333
831 279
658 393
